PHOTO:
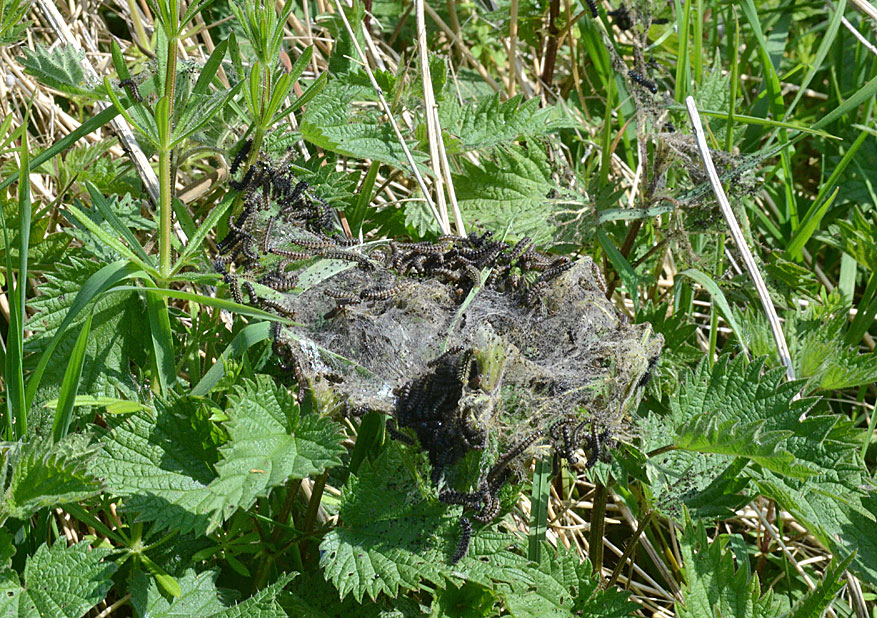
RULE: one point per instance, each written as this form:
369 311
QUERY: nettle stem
165 206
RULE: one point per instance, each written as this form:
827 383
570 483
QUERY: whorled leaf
59 581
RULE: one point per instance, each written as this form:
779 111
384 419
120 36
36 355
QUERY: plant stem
631 545
598 525
165 205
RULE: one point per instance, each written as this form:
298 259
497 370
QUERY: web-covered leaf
512 186
391 538
733 410
332 122
271 442
200 597
44 474
561 586
714 586
489 121
59 581
60 68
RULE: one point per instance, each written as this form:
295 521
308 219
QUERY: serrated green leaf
733 410
163 471
489 121
60 68
713 586
199 596
330 122
59 581
160 469
391 538
45 474
817 600
510 188
562 586
271 442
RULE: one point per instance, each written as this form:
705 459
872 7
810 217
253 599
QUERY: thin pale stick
739 239
371 76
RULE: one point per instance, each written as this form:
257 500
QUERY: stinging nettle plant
292 393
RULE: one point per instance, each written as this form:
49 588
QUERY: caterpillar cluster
484 501
428 405
515 268
570 434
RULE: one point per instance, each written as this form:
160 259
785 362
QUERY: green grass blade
862 95
70 386
367 439
719 298
99 282
89 126
16 401
357 216
539 498
248 336
622 266
827 40
210 68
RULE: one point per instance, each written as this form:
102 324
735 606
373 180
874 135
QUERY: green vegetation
160 456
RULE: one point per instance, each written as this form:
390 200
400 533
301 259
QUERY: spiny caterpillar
131 88
646 83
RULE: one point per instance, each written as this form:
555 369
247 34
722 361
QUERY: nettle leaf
733 410
512 186
58 581
331 122
489 121
714 587
44 474
200 597
839 504
160 464
60 68
562 586
270 442
390 538
113 344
